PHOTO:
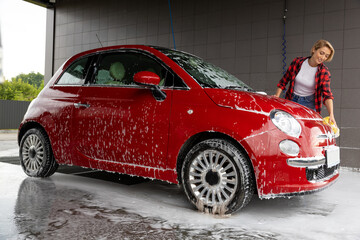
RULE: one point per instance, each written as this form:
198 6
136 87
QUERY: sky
22 27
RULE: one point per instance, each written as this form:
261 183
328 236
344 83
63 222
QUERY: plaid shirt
322 81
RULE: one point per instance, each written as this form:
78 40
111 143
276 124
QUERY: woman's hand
332 120
330 107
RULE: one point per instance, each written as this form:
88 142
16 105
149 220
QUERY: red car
169 115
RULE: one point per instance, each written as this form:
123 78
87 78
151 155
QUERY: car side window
118 69
75 74
113 69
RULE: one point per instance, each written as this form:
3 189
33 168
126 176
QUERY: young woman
309 79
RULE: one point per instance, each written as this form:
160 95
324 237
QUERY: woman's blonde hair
323 43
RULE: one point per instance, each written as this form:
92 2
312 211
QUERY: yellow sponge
335 129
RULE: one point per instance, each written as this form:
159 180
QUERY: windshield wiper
243 88
208 85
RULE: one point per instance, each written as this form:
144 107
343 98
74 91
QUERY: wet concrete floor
55 208
78 203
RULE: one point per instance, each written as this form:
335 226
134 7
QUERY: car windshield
206 74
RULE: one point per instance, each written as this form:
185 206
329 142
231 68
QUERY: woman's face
320 55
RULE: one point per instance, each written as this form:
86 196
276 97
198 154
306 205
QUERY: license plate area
332 154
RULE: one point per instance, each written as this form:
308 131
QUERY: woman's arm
330 107
278 92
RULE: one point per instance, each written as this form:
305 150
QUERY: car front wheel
217 177
36 156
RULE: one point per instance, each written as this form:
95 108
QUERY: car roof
148 48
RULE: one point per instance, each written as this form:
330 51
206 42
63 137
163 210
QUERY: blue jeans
308 101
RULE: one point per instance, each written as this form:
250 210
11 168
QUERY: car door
62 99
119 121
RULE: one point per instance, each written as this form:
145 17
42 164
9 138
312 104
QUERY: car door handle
81 105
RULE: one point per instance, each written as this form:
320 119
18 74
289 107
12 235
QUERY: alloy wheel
33 152
213 178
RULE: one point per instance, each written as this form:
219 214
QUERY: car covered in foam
169 115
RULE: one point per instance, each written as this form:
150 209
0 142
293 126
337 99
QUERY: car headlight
286 123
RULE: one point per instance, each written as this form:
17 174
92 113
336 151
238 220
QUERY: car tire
36 157
217 177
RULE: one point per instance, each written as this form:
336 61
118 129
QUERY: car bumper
313 162
331 158
324 184
278 174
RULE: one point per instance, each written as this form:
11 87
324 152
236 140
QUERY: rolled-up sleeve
288 75
326 90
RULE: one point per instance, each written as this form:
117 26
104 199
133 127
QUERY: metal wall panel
12 113
241 36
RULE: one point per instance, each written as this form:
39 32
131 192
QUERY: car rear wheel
217 177
36 157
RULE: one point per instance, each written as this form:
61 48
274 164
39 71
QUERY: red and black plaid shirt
322 81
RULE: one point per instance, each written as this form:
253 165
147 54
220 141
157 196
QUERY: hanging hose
172 27
284 40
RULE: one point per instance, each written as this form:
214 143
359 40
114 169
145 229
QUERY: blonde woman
309 79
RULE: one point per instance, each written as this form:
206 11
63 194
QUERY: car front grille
321 174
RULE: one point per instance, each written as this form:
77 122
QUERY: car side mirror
146 78
151 80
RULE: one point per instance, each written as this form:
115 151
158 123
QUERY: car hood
258 103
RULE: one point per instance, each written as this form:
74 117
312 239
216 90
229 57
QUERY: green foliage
35 79
20 90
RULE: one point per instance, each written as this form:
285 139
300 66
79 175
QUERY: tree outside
34 79
24 87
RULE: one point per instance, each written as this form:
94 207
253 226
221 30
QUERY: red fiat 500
168 115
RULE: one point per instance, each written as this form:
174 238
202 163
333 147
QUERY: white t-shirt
305 80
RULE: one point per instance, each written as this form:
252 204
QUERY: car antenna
99 40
